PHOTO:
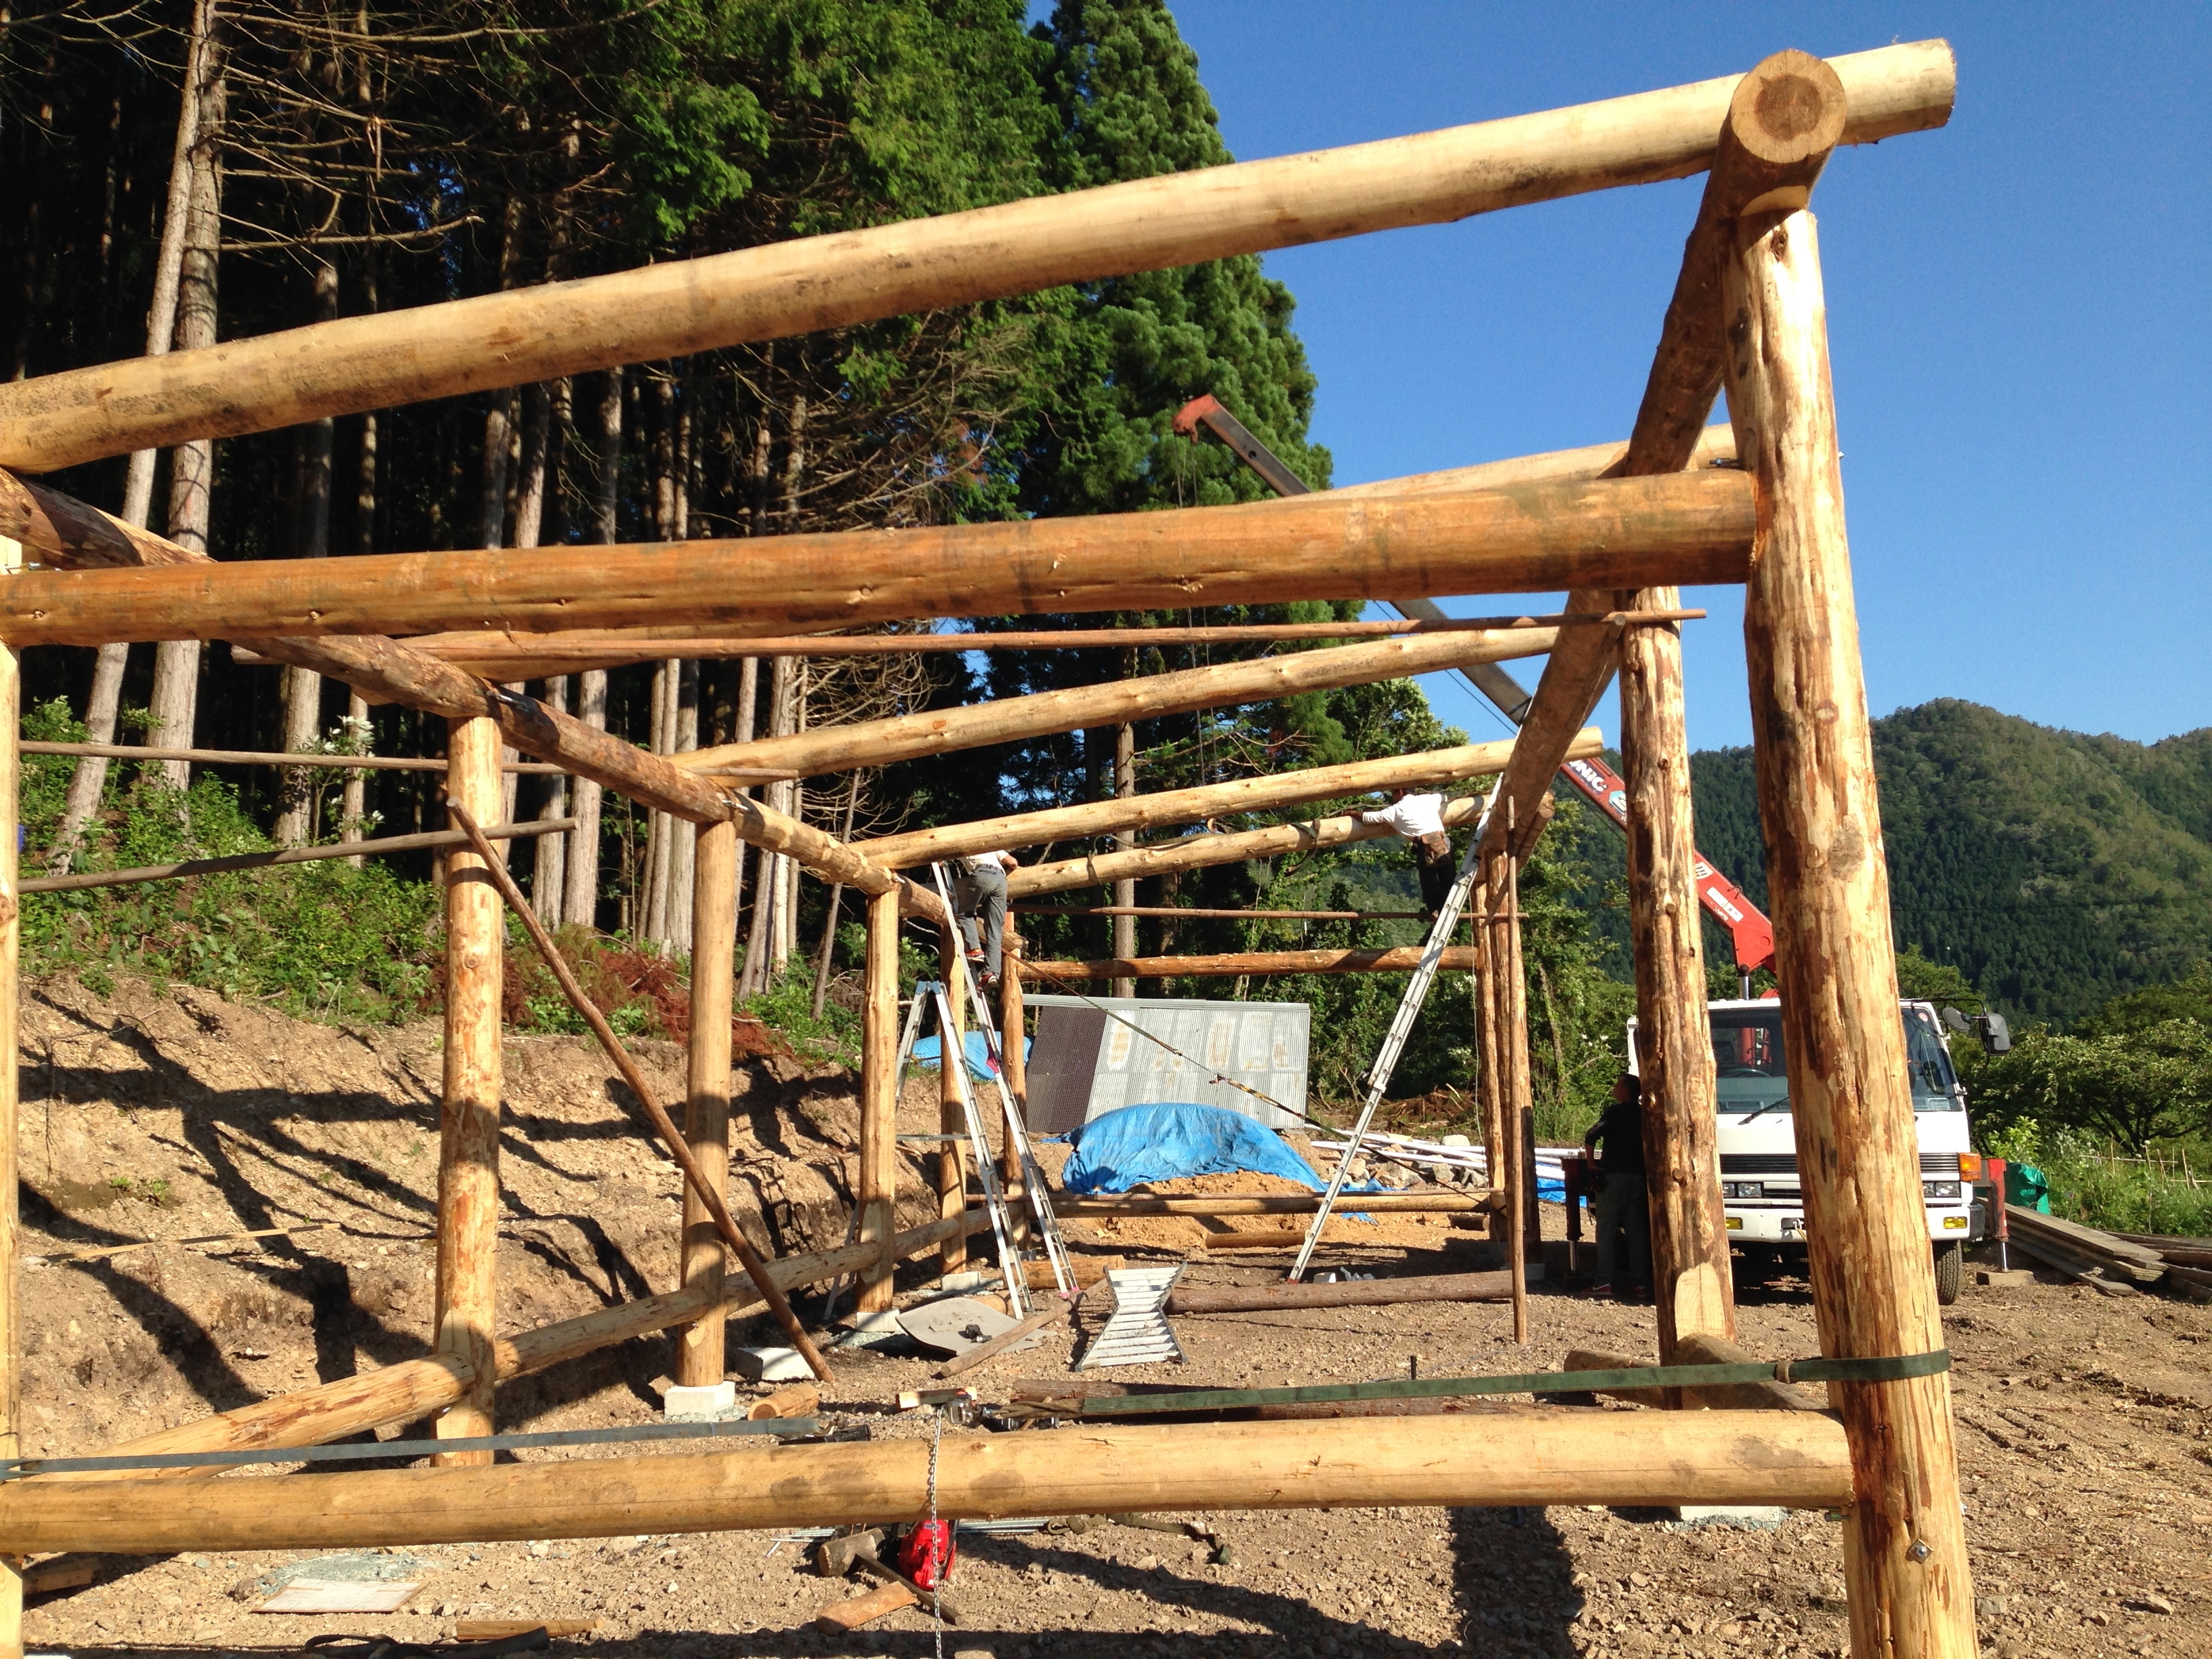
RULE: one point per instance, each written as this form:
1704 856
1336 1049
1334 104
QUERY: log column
951 1051
1013 1078
468 1141
1486 1049
1681 1156
699 1358
1874 1290
11 1333
1510 1015
880 1093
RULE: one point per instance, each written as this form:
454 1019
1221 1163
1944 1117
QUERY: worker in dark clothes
1616 1145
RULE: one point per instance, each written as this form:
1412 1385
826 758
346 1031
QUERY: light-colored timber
1117 703
504 656
410 1389
1192 913
11 1229
1390 959
701 1184
468 1140
686 306
1014 1079
1461 1202
1874 1288
1536 1458
1715 447
1202 851
1197 804
878 1195
952 1118
1578 533
700 1360
263 757
1349 1293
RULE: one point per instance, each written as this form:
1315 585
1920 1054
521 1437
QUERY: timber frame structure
1622 527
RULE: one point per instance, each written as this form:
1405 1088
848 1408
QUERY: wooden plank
1538 1458
1874 1290
1196 805
1578 533
679 307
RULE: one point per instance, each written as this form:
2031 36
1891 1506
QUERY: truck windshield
1751 1072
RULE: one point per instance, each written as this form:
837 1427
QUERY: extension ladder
1402 1029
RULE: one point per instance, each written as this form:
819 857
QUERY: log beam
699 1351
468 1140
877 1193
1117 703
1395 959
11 932
1536 1458
686 306
1537 538
1874 1290
1195 806
1216 1204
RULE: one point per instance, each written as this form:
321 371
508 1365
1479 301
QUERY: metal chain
937 1585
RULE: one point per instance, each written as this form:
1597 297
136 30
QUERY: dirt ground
2085 1422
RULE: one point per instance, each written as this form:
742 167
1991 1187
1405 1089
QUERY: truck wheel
1950 1272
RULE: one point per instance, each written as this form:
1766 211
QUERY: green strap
1893 1369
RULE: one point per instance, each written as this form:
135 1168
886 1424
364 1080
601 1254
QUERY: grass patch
2119 1195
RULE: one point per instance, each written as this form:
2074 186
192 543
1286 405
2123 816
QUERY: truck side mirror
1954 1022
1996 1034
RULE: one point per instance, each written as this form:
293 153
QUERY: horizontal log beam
1117 703
1715 446
267 757
1206 801
413 1389
686 306
503 656
1579 533
1204 851
1538 1458
1348 1293
1190 913
1414 1203
1397 959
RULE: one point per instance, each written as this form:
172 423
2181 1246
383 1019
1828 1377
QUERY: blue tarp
1167 1139
979 1056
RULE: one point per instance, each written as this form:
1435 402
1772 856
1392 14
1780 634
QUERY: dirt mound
170 1113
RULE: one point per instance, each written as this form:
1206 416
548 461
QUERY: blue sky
2020 308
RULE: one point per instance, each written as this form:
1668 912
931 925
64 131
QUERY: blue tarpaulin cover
1167 1139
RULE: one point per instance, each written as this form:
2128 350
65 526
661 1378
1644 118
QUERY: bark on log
1581 534
684 306
944 731
11 1231
1874 1289
1396 959
700 1361
1637 1459
468 1141
1352 1293
1181 806
878 1195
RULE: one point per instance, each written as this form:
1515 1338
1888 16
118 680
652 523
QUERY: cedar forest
231 168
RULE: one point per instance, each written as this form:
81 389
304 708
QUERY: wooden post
1013 1076
1487 1055
951 1051
1874 1289
879 1096
468 1142
1513 1043
699 1359
11 1317
1690 1279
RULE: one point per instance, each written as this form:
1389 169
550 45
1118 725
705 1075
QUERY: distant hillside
2053 869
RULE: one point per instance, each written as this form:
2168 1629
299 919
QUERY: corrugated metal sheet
1085 1064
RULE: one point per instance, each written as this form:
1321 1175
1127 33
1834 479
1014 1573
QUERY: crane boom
1750 933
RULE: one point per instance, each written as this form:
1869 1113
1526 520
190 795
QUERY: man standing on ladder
1420 819
980 895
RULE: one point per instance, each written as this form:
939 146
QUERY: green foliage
787 1007
2137 1088
2122 1194
2052 869
1939 982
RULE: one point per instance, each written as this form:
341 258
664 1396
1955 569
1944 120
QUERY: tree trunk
303 687
580 902
175 696
836 894
761 958
90 779
549 884
683 861
748 719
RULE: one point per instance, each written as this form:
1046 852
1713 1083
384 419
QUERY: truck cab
1760 1191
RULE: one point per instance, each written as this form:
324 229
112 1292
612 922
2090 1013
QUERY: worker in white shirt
1420 819
979 895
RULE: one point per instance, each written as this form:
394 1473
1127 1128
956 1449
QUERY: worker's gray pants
981 895
1622 1209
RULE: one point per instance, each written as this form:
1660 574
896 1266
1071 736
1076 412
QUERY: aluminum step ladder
1402 1029
1017 1130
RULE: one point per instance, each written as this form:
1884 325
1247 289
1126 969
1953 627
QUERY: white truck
1760 1186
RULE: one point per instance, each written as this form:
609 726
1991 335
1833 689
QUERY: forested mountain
2055 870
